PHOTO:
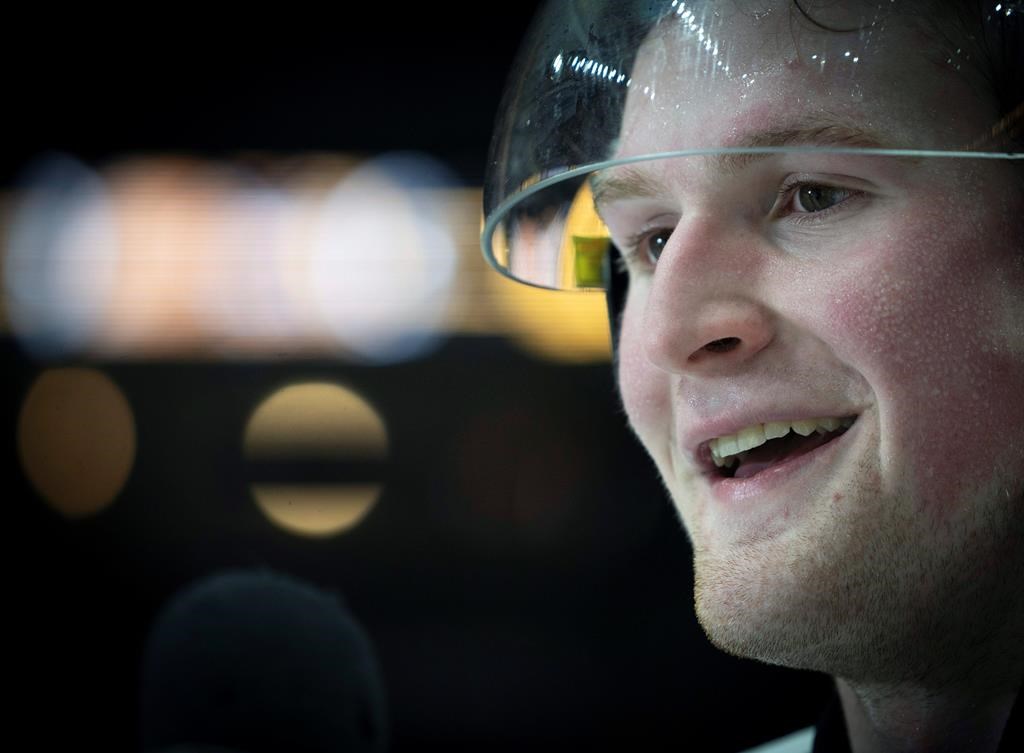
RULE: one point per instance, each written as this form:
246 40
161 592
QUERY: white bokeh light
62 257
383 258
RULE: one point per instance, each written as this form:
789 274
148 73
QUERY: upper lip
699 432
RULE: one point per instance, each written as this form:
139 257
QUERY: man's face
878 299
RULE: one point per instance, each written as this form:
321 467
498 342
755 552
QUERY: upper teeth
724 448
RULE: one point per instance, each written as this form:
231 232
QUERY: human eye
644 248
810 201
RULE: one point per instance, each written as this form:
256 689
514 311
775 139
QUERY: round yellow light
569 327
315 421
76 440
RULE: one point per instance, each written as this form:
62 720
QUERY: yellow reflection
76 440
585 244
315 421
316 511
560 325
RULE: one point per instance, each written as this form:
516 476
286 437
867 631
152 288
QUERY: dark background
353 79
523 578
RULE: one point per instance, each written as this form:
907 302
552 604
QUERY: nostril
723 345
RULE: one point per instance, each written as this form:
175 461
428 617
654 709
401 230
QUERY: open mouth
761 446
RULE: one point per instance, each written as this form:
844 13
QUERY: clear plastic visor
761 116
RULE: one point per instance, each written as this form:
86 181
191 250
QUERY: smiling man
819 213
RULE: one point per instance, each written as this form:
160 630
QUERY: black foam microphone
260 662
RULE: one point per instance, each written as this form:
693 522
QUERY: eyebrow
630 182
825 135
627 182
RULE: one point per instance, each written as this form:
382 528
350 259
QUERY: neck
907 718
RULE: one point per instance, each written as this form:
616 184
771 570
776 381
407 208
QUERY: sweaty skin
889 558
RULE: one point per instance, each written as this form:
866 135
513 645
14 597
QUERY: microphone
259 662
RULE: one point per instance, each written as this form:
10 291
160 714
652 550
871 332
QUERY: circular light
568 327
383 259
76 440
323 424
168 212
61 258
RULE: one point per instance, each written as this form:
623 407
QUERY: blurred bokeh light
568 327
383 259
319 422
76 440
372 261
60 261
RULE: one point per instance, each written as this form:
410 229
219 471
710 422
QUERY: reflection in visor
599 85
566 251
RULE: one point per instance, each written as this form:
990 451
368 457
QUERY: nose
705 312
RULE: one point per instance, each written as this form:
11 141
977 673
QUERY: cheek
645 388
933 322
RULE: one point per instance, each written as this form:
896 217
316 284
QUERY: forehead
724 74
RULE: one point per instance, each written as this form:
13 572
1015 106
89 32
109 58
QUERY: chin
772 622
784 643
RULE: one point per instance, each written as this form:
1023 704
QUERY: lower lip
733 490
